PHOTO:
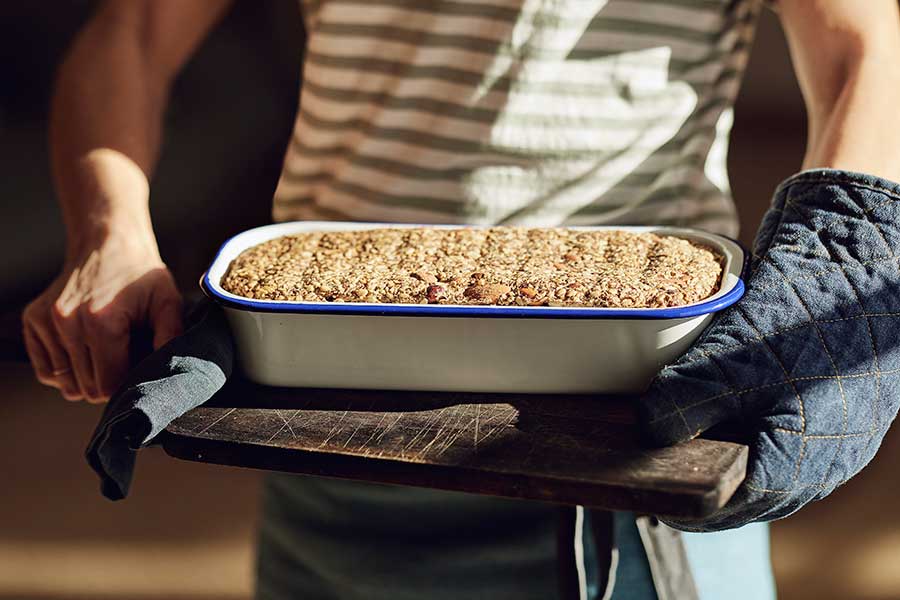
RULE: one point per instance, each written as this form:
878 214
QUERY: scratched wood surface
574 450
567 449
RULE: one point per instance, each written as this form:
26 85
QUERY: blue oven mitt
807 363
183 374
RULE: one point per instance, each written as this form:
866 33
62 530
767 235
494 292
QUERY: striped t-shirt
517 112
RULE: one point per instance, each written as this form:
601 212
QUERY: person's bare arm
105 129
847 57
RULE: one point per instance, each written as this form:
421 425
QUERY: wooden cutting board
565 449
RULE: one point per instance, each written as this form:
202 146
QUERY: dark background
186 532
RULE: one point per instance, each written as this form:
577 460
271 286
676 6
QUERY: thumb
166 318
685 399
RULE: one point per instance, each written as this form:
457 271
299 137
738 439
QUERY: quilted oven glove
807 363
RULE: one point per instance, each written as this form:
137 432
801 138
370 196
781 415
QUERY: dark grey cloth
181 375
807 364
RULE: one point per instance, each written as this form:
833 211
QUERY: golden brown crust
497 266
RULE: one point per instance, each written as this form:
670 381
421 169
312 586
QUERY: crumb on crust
504 266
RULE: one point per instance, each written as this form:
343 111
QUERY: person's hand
807 364
77 332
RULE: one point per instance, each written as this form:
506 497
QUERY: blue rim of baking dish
455 310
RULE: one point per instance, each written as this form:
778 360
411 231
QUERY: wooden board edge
679 503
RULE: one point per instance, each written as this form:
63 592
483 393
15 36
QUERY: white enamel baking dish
460 348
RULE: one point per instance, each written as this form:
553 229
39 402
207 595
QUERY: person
517 112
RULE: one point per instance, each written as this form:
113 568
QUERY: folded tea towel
181 375
807 363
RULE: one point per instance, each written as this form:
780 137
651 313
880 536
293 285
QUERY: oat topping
499 266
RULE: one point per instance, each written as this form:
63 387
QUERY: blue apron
325 538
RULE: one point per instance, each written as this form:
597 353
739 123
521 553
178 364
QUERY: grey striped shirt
520 112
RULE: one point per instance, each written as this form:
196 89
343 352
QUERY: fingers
37 354
71 334
83 354
166 317
48 358
108 336
78 339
